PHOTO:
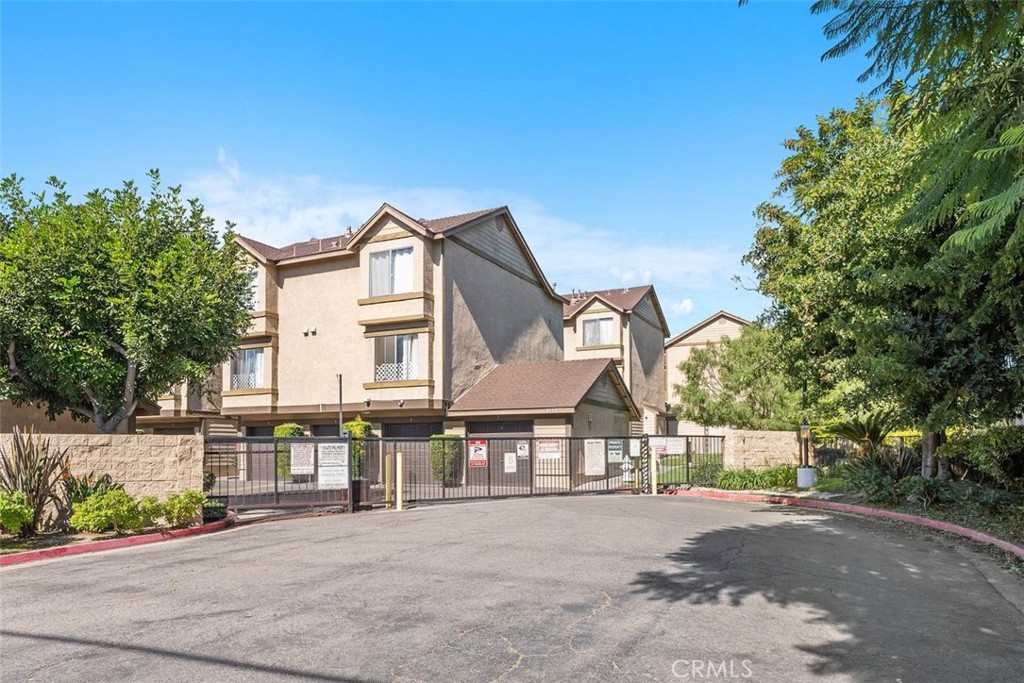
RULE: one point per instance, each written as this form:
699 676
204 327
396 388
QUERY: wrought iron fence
694 460
272 472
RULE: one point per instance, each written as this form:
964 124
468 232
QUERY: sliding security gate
279 472
260 471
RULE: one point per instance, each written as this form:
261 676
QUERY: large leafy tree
956 73
738 383
860 295
108 303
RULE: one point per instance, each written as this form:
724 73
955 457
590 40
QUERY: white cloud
684 307
283 209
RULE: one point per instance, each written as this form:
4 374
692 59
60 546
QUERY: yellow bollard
399 460
389 474
654 473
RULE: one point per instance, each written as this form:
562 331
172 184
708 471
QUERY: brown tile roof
622 299
341 242
439 225
533 386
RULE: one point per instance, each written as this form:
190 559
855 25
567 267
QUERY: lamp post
806 476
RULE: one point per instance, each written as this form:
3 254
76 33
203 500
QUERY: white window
395 358
247 369
597 332
254 289
391 272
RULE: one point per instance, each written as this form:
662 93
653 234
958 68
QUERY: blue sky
631 141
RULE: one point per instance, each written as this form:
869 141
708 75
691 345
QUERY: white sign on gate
332 478
593 457
333 454
510 463
302 458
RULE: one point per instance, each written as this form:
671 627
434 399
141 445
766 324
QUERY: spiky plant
868 432
37 470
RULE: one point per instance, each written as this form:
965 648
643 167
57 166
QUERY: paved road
599 588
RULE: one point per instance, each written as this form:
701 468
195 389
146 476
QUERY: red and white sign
478 453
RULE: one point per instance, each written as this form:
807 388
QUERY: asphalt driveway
598 588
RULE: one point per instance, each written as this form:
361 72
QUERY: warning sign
478 453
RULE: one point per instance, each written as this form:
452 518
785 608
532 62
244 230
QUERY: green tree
738 383
861 296
110 302
955 71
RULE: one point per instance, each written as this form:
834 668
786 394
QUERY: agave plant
38 471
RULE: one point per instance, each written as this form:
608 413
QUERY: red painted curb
858 510
112 543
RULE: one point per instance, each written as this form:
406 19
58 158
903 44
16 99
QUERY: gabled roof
556 386
448 223
623 300
430 228
704 323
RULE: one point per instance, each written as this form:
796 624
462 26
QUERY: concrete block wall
759 450
146 464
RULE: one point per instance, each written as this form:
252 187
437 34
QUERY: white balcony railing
395 372
250 381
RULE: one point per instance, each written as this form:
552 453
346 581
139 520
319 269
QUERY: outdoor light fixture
367 402
401 402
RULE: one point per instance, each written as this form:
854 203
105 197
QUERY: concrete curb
113 543
857 510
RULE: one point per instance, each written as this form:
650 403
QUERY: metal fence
257 471
277 472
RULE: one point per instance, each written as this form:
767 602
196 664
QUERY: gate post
653 465
687 460
388 474
399 461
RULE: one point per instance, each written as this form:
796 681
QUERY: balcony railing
251 381
395 372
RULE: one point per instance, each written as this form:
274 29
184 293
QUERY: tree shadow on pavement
270 672
908 609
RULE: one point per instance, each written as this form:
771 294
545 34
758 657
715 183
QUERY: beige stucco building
627 326
410 313
721 325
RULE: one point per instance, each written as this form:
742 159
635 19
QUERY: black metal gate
261 471
280 472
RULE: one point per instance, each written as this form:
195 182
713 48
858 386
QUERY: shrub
446 455
214 510
878 475
779 477
150 510
185 508
14 511
36 470
739 480
925 492
995 455
284 450
705 473
209 480
358 430
832 484
78 489
971 493
113 510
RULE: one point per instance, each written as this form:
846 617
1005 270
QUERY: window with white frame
395 358
598 332
247 369
254 289
391 272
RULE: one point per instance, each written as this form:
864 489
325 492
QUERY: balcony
262 324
